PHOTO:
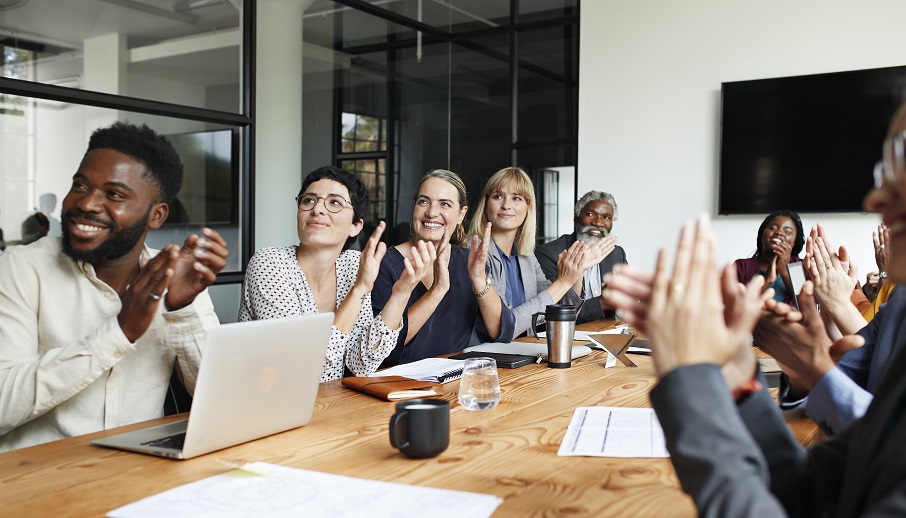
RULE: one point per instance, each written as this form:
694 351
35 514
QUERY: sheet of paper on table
262 489
599 431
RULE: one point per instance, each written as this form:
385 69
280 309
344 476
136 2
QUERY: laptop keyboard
171 441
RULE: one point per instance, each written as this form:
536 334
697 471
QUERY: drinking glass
479 388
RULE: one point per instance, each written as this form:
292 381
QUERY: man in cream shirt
91 324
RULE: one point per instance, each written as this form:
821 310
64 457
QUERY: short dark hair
358 193
145 145
800 237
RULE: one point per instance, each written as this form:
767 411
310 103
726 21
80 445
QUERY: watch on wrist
484 292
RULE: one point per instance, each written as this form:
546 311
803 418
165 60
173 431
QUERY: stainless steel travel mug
561 327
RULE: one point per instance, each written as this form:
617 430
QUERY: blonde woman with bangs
508 204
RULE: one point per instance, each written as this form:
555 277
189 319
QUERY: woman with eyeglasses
321 274
455 297
779 242
508 205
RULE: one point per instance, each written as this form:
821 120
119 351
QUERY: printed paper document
599 431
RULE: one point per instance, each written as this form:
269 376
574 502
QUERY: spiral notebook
438 370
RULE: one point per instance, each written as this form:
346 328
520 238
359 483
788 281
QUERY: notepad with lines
438 370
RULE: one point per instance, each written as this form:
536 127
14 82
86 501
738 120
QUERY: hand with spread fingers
832 284
200 260
142 298
686 318
881 238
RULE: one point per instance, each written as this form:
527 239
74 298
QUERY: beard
583 235
119 243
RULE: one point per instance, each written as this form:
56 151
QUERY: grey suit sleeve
719 464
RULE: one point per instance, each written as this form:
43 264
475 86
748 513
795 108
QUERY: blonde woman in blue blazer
508 205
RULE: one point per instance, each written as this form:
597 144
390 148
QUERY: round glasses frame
890 169
332 202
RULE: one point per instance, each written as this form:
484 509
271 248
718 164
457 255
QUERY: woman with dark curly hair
780 239
321 274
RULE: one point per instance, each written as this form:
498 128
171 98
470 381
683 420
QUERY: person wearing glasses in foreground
321 274
456 297
730 446
508 204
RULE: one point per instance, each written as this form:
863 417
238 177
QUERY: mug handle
394 430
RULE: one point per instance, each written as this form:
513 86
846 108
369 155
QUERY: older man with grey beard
595 213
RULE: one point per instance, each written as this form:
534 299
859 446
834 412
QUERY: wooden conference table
510 452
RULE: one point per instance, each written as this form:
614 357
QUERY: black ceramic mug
420 428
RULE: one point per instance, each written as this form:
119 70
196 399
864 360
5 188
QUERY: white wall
650 75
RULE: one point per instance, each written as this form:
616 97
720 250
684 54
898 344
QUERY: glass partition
44 142
185 52
411 86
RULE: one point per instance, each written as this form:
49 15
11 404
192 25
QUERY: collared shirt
66 368
591 283
836 401
515 290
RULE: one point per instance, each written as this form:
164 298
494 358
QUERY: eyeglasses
332 202
890 170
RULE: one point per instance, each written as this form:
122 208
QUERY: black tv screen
805 143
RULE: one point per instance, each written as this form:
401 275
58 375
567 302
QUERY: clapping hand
830 272
798 339
370 260
571 263
478 257
196 267
424 257
442 265
597 251
882 253
686 317
142 296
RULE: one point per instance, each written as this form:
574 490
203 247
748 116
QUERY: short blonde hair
519 182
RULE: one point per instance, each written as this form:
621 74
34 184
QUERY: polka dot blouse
275 287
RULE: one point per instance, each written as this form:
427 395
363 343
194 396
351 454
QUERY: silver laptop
256 379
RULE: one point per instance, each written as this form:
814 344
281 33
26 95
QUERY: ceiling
59 27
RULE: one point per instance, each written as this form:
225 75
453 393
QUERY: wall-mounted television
210 187
805 143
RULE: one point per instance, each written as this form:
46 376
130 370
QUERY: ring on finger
154 296
677 288
882 246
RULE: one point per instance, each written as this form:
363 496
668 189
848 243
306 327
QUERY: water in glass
479 388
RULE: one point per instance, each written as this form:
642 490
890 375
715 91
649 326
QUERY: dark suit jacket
547 257
744 461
